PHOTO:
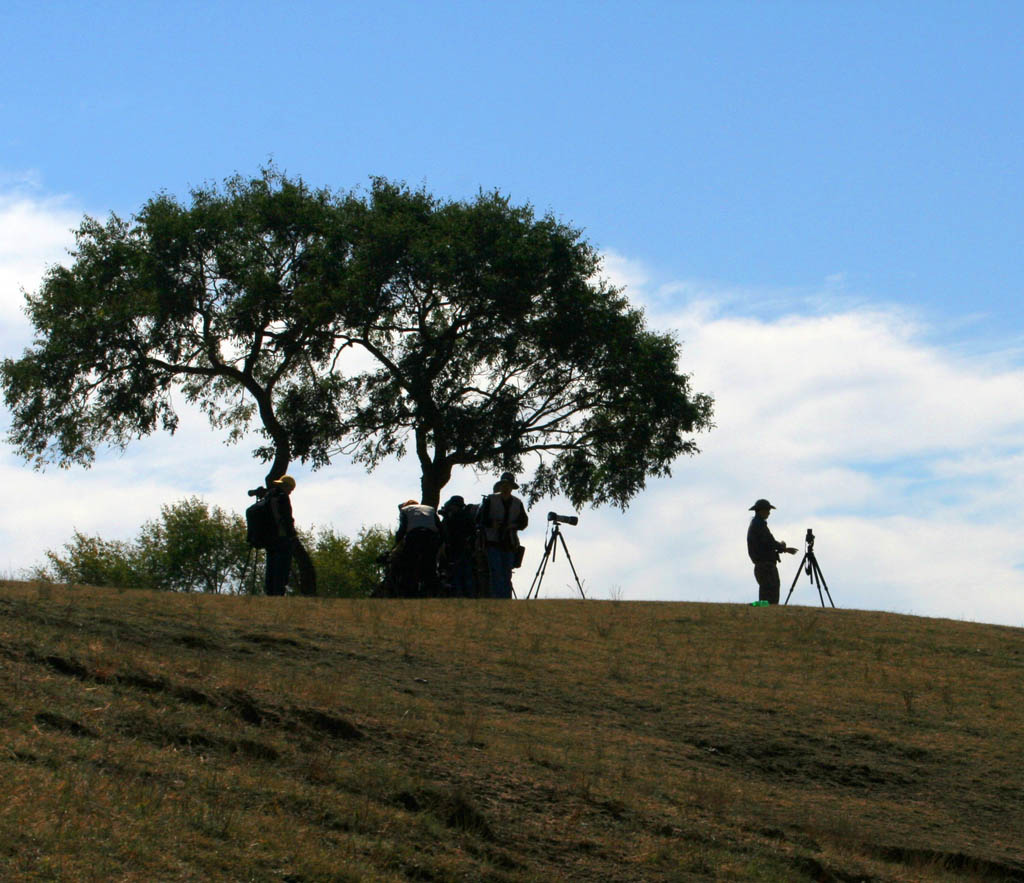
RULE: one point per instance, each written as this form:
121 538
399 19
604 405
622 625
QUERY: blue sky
822 199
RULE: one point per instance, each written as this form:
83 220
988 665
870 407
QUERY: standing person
764 550
419 536
501 516
458 531
279 552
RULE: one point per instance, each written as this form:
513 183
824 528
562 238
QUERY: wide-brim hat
760 504
507 478
285 481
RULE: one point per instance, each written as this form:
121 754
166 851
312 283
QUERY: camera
563 519
257 492
809 539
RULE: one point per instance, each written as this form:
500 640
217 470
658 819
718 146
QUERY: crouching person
419 539
502 516
458 532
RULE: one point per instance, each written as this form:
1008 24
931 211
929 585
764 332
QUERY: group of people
470 550
460 550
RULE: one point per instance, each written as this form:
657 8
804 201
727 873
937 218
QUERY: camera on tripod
551 540
809 565
258 492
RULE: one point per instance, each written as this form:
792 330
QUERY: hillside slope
168 737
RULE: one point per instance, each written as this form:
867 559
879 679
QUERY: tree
493 339
222 300
192 547
490 336
350 568
93 561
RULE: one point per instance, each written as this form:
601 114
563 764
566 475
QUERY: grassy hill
157 737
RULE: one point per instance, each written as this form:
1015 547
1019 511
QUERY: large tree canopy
221 301
493 338
359 323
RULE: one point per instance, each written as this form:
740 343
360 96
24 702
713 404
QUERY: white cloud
622 271
904 455
34 233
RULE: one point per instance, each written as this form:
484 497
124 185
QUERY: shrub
347 569
192 547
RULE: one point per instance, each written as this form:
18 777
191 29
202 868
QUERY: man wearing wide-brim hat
764 551
502 516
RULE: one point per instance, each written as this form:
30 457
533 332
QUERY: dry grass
166 737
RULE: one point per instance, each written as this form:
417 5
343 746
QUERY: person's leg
269 568
279 565
430 579
506 573
462 577
763 582
767 576
411 565
774 585
495 566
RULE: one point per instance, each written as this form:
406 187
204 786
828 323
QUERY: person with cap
279 552
764 550
502 516
419 538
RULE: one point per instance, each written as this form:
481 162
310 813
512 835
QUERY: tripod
809 564
549 555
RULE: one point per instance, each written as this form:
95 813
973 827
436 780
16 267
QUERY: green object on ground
760 603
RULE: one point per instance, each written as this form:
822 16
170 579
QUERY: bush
194 548
347 569
94 561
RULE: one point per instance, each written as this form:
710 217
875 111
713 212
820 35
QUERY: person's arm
523 518
780 545
403 525
287 521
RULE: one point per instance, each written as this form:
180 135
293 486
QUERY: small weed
948 700
710 794
909 695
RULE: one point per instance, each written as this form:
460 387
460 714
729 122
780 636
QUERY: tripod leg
812 572
821 577
795 578
567 555
538 578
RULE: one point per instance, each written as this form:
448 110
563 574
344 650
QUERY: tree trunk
432 482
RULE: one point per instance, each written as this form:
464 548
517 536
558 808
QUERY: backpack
260 528
459 528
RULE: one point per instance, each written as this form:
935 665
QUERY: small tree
192 547
93 561
347 568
